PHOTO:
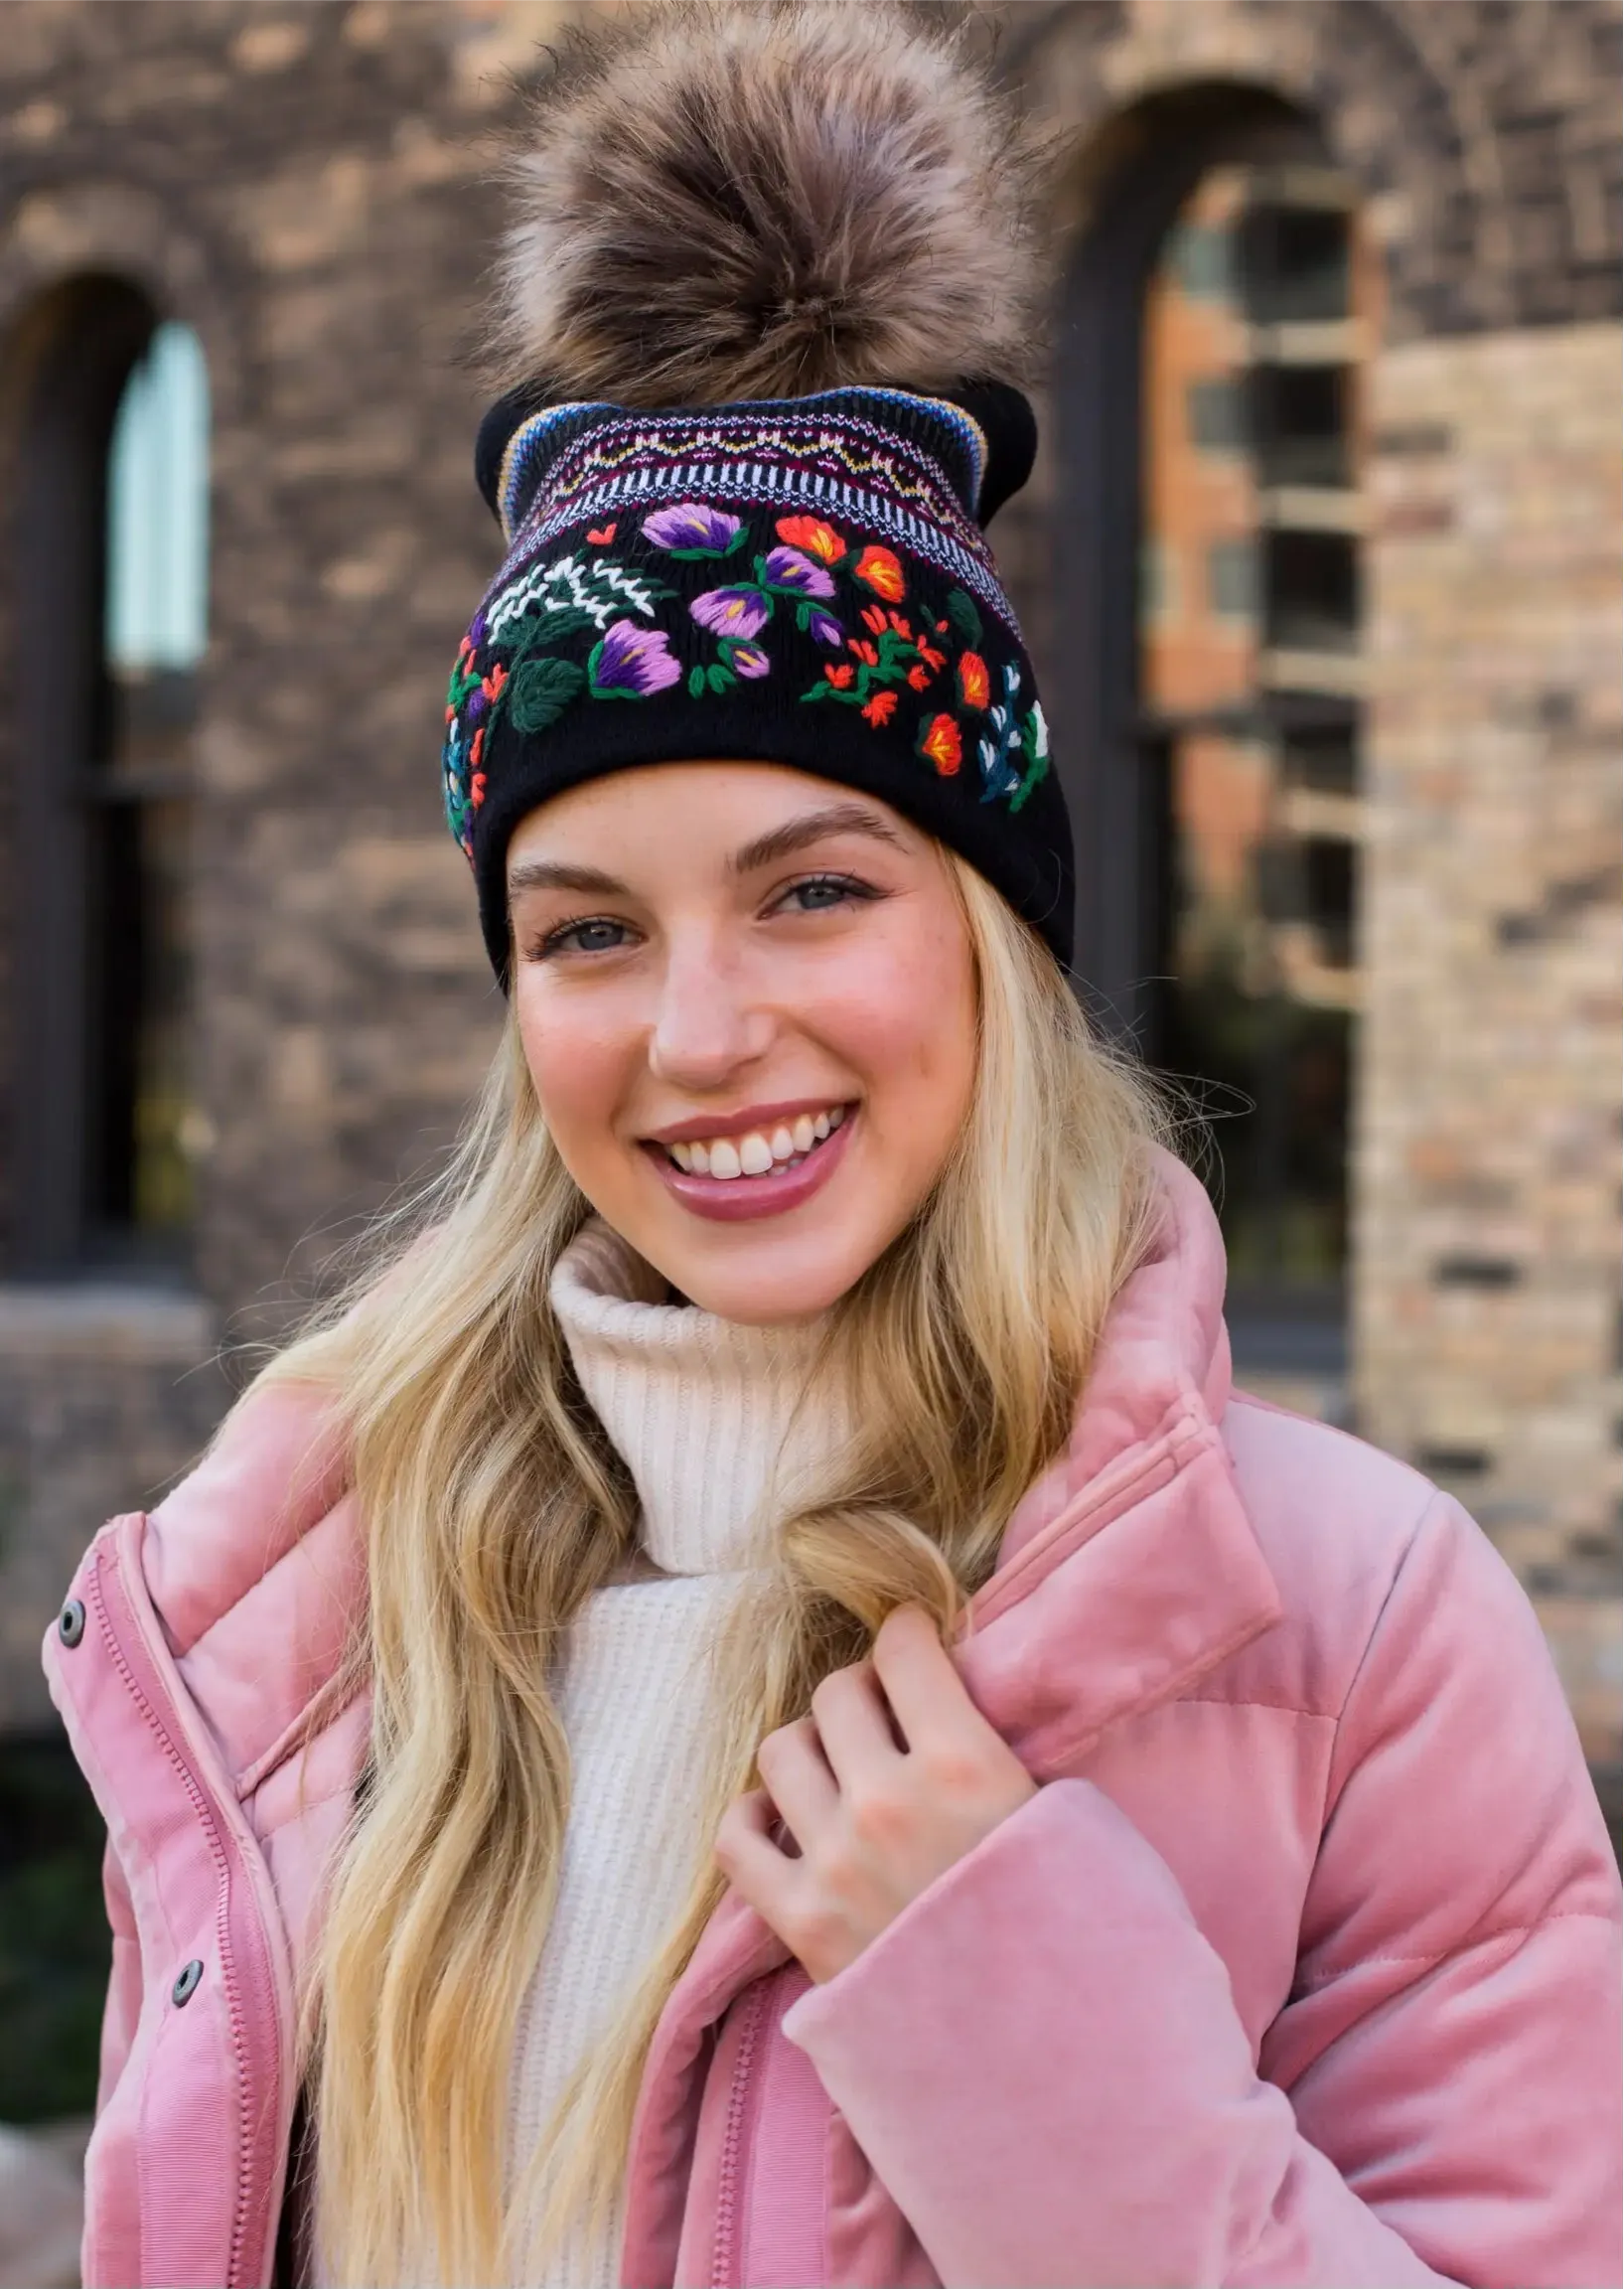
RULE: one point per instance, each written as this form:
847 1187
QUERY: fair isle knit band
798 580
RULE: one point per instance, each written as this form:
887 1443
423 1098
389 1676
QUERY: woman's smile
756 1173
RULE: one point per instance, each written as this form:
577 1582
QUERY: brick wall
1487 1254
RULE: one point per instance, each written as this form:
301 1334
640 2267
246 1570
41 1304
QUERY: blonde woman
750 1707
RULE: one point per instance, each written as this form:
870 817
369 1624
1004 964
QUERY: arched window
1209 714
109 578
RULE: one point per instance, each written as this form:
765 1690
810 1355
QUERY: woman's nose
707 1021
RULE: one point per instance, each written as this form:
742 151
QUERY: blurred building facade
1319 566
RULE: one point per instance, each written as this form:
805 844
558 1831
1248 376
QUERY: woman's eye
591 936
819 892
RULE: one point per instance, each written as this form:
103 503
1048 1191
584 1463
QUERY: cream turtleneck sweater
698 1406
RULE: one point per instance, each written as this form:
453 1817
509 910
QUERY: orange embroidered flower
813 536
477 750
493 683
841 676
882 569
881 708
602 536
863 649
872 617
931 657
901 626
919 677
973 679
940 742
475 791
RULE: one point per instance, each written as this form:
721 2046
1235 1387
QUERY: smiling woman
759 959
749 1706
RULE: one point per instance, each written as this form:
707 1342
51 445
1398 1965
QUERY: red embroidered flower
881 708
477 750
493 683
919 677
813 536
931 657
882 571
863 649
602 536
901 626
973 679
841 676
940 742
872 617
476 791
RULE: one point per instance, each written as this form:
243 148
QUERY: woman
751 1707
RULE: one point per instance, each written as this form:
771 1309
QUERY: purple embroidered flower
635 661
731 611
788 568
477 707
476 631
691 524
826 630
749 660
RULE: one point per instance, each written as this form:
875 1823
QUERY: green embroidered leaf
818 691
964 617
738 541
720 678
803 617
696 683
543 623
539 692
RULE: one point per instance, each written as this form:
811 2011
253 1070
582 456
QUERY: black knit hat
758 251
800 581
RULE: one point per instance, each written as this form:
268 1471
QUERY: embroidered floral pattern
940 742
631 662
887 652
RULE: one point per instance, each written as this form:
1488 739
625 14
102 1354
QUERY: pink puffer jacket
1302 1967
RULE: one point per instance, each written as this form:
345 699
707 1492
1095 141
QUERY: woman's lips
731 1200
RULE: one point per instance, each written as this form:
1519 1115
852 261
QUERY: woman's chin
759 1282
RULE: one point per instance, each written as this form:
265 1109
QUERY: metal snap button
186 1987
70 1622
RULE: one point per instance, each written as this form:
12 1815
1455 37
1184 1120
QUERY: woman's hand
875 1820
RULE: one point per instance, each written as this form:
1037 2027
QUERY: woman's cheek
575 1069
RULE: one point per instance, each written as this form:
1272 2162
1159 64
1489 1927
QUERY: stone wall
1487 1277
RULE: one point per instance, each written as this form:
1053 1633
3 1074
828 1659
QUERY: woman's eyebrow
812 826
779 842
553 874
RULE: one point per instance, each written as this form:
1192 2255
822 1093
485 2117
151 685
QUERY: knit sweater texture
700 1408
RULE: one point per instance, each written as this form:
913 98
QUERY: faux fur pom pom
723 198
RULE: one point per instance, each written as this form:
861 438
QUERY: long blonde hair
495 1505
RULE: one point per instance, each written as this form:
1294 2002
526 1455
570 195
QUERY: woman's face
760 976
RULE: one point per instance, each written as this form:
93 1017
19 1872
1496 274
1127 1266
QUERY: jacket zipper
153 1704
724 2271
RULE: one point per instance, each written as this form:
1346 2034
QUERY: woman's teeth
756 1153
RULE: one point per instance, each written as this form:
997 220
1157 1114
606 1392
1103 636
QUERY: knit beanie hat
768 305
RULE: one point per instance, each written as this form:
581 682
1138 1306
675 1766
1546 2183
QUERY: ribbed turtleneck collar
698 1406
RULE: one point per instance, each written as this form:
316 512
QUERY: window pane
1232 579
155 632
1218 414
158 510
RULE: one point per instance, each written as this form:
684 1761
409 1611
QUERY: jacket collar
1130 1567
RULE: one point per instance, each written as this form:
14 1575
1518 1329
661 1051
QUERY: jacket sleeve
1043 2060
123 2006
